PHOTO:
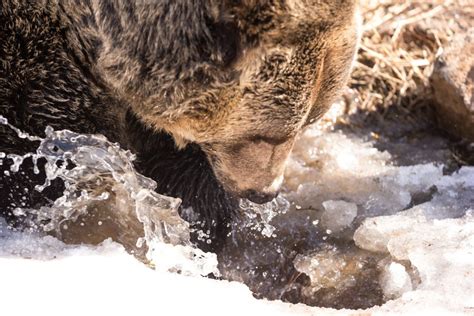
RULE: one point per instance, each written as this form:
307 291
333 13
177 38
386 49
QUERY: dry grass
399 45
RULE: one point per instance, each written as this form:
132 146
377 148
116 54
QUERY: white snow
395 280
352 188
334 166
43 276
435 239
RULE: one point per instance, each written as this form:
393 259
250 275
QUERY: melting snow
424 247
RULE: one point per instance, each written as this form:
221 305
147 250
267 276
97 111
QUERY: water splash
261 215
99 177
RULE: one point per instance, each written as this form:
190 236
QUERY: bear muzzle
253 171
259 197
257 192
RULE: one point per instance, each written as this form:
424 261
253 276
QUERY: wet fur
188 175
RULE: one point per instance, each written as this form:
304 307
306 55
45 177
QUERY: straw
400 43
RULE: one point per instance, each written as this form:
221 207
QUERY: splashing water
260 215
99 175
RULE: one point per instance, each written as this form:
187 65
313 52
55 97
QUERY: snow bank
414 221
43 276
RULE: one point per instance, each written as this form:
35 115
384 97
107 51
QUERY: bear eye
228 41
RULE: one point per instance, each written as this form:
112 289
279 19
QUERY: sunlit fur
232 81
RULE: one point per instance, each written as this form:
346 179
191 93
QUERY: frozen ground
43 276
361 228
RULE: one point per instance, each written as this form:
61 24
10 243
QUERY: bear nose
259 197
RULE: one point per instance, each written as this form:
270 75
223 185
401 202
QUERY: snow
441 251
416 222
428 247
334 166
395 280
43 276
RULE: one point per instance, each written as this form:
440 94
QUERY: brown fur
232 81
289 59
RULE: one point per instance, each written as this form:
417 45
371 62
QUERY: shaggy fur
210 94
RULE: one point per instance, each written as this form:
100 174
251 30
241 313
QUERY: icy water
366 216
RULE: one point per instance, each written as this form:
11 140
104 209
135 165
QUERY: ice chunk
414 214
339 273
326 269
338 215
395 280
335 166
441 251
454 199
375 233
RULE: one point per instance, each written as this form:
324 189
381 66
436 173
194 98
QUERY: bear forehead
174 58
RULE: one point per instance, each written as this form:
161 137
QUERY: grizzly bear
210 94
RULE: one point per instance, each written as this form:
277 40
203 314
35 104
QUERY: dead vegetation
399 45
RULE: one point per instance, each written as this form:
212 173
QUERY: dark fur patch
188 175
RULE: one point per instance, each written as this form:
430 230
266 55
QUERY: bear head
240 78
